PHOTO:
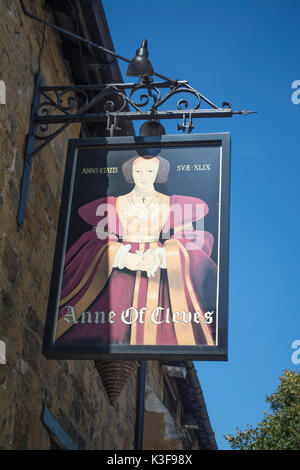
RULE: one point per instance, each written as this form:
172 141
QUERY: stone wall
71 390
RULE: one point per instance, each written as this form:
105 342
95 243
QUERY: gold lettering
100 170
202 167
184 167
194 167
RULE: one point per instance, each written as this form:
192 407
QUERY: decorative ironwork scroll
56 107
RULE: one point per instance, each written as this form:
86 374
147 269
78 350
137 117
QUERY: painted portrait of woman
143 273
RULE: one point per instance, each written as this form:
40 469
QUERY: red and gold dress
163 307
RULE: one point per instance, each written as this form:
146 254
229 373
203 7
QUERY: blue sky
245 52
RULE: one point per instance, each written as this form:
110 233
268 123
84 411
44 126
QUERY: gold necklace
144 200
142 210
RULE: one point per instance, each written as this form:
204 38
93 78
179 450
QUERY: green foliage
279 429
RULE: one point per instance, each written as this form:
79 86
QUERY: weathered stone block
31 350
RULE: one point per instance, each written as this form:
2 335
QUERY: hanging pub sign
141 261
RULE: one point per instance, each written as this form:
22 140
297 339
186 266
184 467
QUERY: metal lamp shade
140 64
150 128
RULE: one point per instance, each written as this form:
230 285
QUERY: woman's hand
149 259
137 261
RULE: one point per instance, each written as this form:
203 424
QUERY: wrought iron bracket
29 148
112 103
60 106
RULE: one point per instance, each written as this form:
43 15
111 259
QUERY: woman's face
144 172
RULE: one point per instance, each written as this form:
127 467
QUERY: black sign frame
218 352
